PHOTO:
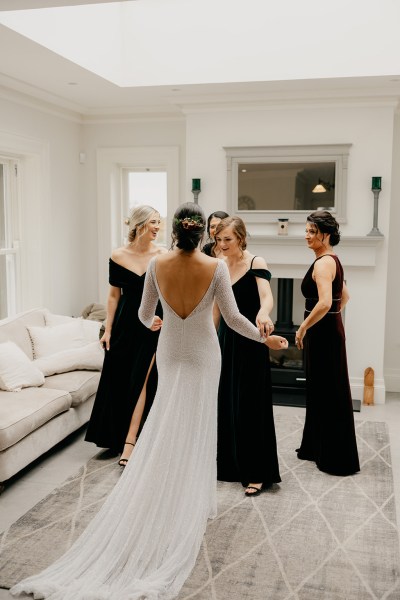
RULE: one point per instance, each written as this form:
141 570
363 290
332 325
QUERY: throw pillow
91 329
95 312
16 370
89 357
49 340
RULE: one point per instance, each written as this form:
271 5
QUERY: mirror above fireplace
269 182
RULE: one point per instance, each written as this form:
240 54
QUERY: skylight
175 42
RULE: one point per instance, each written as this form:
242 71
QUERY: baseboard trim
357 390
392 380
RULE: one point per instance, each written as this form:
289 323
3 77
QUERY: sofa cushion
90 357
95 312
80 384
49 340
16 370
91 328
22 413
14 329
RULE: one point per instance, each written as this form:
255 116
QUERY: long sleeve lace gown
144 541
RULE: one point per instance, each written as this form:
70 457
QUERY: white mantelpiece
290 252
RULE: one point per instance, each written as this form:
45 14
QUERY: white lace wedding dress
144 541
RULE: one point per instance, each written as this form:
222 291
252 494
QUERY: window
113 166
9 251
266 183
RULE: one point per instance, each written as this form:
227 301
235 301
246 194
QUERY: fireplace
287 366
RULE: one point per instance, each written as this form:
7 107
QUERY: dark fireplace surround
287 366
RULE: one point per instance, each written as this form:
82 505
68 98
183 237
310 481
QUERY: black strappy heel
123 461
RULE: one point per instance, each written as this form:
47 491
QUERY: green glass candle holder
376 183
196 185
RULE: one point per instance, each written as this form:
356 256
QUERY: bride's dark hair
188 226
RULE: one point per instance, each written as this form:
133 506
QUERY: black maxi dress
246 432
126 363
329 436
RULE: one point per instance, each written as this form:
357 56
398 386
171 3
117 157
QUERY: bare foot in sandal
253 489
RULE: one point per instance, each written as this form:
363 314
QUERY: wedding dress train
144 541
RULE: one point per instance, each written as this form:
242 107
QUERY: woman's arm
324 274
263 320
345 297
114 295
229 310
147 308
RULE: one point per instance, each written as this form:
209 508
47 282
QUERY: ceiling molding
134 117
287 104
50 108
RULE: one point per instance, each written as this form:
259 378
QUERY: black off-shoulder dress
247 450
132 346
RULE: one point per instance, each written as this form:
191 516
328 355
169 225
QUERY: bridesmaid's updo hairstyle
188 226
326 223
138 220
239 229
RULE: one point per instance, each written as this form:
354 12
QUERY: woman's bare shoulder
258 262
118 252
161 250
324 265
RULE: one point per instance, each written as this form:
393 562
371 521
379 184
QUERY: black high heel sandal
123 461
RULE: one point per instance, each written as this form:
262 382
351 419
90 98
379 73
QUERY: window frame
11 249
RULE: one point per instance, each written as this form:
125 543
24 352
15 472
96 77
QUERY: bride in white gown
144 541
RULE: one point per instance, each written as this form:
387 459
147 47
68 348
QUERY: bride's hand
157 324
276 342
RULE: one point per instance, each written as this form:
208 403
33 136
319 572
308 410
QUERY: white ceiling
27 68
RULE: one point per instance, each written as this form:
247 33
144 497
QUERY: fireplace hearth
287 366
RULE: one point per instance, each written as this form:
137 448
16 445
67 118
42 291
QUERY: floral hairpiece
194 222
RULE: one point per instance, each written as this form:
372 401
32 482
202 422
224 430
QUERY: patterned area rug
313 537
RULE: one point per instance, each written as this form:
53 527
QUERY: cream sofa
34 419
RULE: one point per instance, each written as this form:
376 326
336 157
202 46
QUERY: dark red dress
329 437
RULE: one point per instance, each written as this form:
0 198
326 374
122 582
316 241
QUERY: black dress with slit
329 435
247 450
126 363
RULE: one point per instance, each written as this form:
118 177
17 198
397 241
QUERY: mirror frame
235 155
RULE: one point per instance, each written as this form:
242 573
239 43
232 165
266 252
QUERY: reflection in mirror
267 183
286 186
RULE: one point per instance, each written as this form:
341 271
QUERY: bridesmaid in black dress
246 432
329 437
129 377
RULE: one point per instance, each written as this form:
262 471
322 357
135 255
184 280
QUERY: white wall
157 133
51 227
61 225
392 330
59 222
370 131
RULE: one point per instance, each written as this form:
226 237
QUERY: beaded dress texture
143 543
